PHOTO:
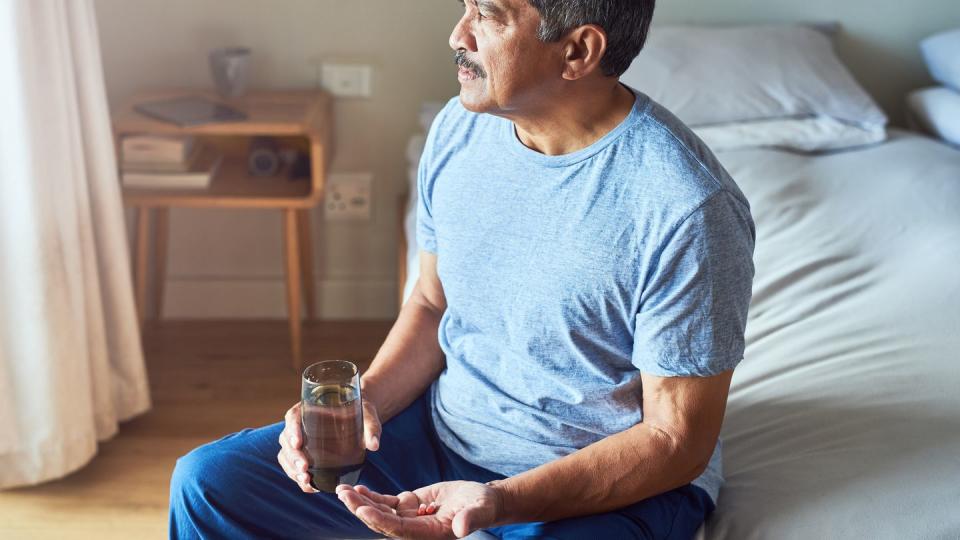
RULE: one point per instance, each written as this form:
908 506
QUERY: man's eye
467 4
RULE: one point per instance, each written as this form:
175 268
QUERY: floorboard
207 379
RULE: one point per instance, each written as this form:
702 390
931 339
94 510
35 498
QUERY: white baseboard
246 298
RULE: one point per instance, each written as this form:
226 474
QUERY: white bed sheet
844 417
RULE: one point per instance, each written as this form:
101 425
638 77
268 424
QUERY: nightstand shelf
298 120
231 187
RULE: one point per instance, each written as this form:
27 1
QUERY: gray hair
625 22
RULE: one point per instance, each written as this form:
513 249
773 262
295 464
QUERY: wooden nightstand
296 119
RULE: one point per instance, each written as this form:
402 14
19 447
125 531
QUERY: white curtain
71 364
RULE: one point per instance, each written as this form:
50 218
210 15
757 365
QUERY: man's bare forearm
409 359
612 473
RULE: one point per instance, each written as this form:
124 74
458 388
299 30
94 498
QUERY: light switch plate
347 80
347 197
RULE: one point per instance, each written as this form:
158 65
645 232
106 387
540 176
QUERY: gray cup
229 67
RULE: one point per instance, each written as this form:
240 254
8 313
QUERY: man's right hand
291 456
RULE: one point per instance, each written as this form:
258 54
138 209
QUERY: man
562 366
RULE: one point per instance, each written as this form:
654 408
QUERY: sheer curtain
71 364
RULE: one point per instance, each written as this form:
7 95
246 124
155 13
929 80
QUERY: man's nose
462 35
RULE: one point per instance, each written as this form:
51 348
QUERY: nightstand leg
306 263
290 234
161 235
140 266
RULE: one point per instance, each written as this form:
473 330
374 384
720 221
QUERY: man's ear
583 47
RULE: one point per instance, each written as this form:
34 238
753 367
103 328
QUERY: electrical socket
347 197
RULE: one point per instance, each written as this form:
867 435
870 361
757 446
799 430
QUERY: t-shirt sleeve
693 307
426 177
426 235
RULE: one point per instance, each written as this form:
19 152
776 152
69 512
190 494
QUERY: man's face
503 66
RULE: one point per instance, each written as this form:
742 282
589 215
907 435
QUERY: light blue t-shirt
566 276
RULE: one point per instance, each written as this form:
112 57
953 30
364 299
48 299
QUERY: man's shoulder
449 113
453 129
454 119
676 162
679 143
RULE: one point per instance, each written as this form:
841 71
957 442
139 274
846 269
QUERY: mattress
844 417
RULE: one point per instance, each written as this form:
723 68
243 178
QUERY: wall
227 263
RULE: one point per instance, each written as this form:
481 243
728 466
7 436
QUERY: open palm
461 507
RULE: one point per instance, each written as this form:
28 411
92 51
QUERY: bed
844 416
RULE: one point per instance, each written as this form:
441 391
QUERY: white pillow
942 54
715 75
818 134
937 110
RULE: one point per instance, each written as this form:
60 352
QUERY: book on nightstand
196 173
157 150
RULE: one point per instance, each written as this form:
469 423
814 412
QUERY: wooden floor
207 379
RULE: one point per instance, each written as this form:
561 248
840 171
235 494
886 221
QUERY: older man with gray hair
562 367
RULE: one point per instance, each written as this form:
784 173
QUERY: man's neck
575 121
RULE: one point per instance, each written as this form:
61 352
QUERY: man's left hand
458 508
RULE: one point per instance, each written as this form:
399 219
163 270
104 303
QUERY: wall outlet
346 80
347 197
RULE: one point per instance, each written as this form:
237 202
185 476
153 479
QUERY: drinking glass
332 422
229 67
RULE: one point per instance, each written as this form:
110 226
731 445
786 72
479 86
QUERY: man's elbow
696 458
699 468
690 454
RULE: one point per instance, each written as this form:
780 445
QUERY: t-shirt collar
640 106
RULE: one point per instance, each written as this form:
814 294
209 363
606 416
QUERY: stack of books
167 162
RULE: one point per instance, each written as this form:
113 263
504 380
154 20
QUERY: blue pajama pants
234 488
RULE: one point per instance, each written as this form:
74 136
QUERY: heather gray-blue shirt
567 276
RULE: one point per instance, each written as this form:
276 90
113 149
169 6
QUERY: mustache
460 58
